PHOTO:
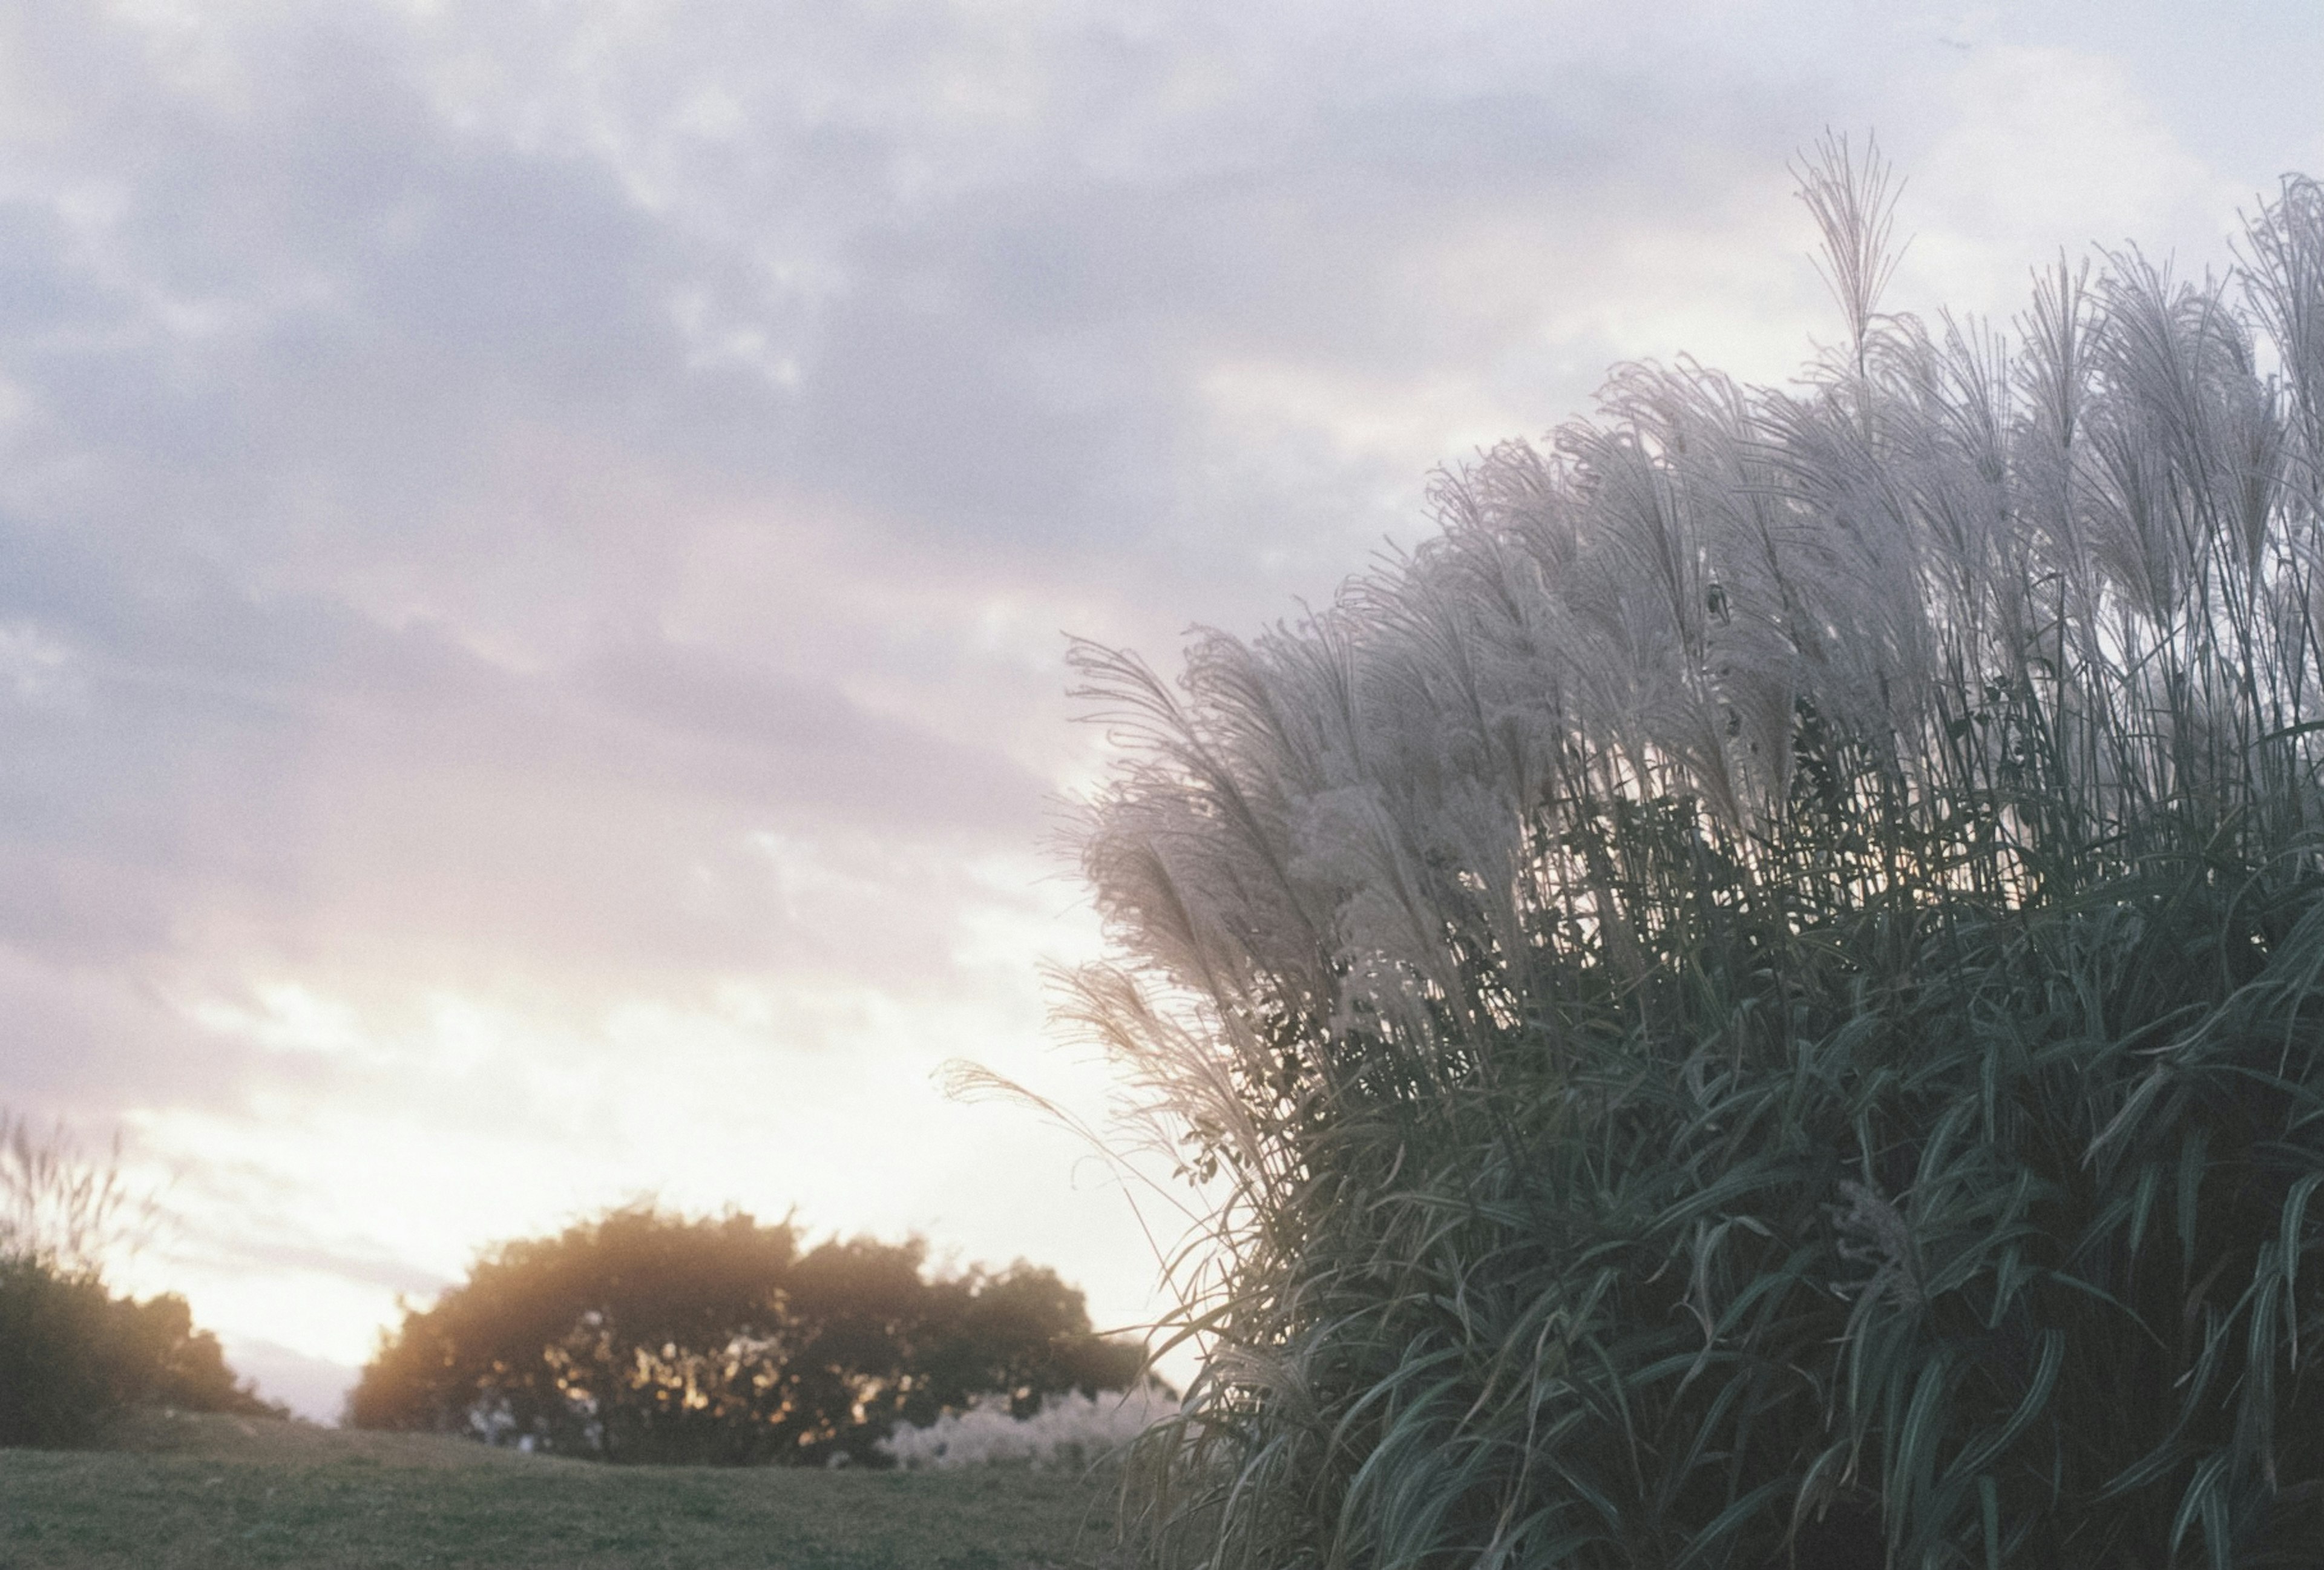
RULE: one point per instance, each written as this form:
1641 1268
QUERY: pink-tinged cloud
534 542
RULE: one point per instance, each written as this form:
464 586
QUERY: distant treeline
644 1336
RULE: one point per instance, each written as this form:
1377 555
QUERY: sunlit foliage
1763 992
645 1337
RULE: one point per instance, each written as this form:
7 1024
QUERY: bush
1764 992
63 1373
72 1356
650 1337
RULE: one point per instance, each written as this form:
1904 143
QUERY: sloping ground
184 1493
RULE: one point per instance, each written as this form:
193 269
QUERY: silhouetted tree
640 1335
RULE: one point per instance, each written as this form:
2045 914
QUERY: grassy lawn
180 1493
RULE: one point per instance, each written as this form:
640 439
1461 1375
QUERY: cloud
533 542
2053 152
313 1388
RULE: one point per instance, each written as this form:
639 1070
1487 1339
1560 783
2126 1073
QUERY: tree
640 1335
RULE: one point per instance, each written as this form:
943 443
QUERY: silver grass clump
1752 801
61 1210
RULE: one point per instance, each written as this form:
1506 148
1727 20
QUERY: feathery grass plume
1763 992
60 1208
1073 1430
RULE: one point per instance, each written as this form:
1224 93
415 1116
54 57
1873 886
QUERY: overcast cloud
534 541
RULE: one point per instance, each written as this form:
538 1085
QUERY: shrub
72 1356
63 1373
644 1336
1764 992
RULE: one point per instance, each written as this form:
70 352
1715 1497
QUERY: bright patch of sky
534 541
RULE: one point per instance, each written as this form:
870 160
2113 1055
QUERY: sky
537 541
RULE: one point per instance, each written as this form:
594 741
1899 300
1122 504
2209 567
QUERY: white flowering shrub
1069 1430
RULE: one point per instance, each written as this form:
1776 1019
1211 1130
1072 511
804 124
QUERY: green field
181 1492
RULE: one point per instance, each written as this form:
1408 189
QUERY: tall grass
1763 992
61 1208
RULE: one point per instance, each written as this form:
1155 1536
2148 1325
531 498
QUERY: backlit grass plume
1763 992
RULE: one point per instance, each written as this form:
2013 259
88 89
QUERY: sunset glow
534 544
